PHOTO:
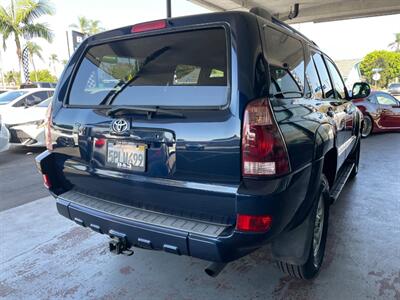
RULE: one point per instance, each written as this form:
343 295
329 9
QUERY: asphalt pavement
45 256
20 182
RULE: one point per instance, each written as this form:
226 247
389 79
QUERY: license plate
125 155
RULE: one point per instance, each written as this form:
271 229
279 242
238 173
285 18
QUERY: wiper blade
150 111
122 85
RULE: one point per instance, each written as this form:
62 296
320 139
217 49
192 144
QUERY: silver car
394 89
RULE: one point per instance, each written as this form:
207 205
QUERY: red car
381 112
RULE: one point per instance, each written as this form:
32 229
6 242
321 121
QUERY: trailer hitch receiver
118 243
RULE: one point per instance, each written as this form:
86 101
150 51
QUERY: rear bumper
281 198
223 248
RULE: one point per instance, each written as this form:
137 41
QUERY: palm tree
12 78
396 44
53 60
34 50
87 26
82 26
95 27
18 21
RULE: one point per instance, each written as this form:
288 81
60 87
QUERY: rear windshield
177 70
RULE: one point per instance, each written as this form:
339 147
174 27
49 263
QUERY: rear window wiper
149 111
122 84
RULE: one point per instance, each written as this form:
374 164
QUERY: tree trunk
19 54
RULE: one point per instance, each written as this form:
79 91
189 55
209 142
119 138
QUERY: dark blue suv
207 135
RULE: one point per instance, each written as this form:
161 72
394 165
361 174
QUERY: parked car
381 112
210 153
9 96
14 102
4 137
394 89
27 128
31 85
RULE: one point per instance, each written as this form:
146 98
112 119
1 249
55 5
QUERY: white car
4 137
20 99
28 128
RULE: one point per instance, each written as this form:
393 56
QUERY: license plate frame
121 155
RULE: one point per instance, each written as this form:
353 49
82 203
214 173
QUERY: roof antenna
294 11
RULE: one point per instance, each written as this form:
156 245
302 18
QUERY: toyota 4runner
208 135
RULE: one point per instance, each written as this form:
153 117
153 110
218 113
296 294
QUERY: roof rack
263 13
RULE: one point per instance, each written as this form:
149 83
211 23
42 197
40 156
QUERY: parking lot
45 256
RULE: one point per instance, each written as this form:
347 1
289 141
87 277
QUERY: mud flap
293 247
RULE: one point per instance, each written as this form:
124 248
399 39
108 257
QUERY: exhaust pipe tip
214 269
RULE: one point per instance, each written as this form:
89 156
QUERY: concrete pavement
44 256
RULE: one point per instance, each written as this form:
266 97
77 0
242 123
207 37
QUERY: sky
341 39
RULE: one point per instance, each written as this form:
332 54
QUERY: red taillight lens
253 223
47 128
46 181
263 148
153 25
98 143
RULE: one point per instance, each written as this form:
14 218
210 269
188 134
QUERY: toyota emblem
119 126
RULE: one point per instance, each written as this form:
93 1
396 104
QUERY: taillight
47 128
148 26
46 181
253 223
99 143
263 148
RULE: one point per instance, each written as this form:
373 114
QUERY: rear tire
317 249
367 126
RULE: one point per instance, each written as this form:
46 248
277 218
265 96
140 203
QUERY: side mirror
360 90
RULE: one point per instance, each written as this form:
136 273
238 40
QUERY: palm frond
29 10
40 30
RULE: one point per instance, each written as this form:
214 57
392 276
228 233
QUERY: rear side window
337 80
285 56
176 69
313 83
323 76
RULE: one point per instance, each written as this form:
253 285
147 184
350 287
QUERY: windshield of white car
7 97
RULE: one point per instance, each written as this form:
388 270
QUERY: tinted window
324 76
337 80
178 69
10 96
32 99
44 103
313 85
285 56
386 99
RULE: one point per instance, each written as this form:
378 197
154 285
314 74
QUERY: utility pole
168 8
1 72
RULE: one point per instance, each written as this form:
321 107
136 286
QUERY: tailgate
148 124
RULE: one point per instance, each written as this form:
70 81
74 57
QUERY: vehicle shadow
16 152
